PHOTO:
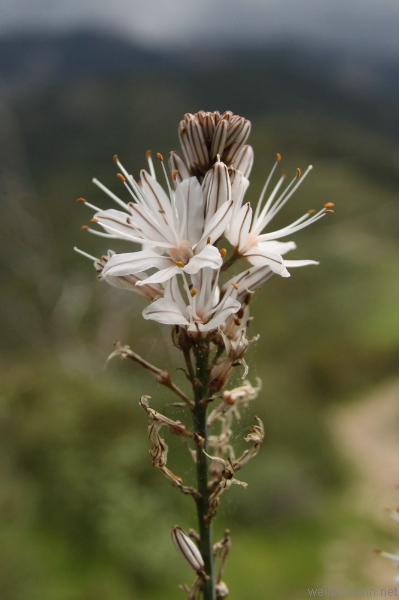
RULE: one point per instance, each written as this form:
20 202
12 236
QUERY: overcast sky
372 24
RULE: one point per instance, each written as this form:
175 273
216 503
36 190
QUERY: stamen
208 240
223 252
329 205
121 177
298 173
235 286
148 156
85 254
110 194
159 157
83 201
84 228
180 264
175 175
278 157
194 292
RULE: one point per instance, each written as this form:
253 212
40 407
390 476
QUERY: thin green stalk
201 353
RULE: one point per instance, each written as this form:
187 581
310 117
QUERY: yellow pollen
159 157
180 264
84 227
81 200
120 177
329 205
116 159
278 157
223 252
298 173
148 154
193 292
235 286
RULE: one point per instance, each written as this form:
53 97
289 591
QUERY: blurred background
83 516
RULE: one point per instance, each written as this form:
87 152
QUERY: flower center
182 253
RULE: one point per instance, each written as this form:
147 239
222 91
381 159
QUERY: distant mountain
32 60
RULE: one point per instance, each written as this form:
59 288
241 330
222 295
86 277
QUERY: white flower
262 249
204 312
176 230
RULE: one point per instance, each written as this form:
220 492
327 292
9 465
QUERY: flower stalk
201 386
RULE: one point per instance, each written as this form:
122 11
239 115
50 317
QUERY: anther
298 173
329 205
148 154
93 220
116 159
194 292
84 228
175 174
329 211
208 241
121 177
223 252
278 157
159 157
311 211
235 286
180 264
81 200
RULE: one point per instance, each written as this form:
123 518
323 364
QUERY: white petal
218 189
162 275
208 257
119 221
149 227
278 247
217 225
157 199
240 228
190 208
300 263
166 312
135 262
259 258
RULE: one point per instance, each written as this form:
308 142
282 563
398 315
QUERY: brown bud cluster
206 135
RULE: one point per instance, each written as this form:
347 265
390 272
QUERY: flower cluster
192 230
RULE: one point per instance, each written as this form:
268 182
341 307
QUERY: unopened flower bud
187 548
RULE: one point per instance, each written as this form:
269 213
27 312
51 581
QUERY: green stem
201 353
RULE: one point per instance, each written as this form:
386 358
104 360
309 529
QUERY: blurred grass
82 513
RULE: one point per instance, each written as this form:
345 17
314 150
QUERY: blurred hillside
77 487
